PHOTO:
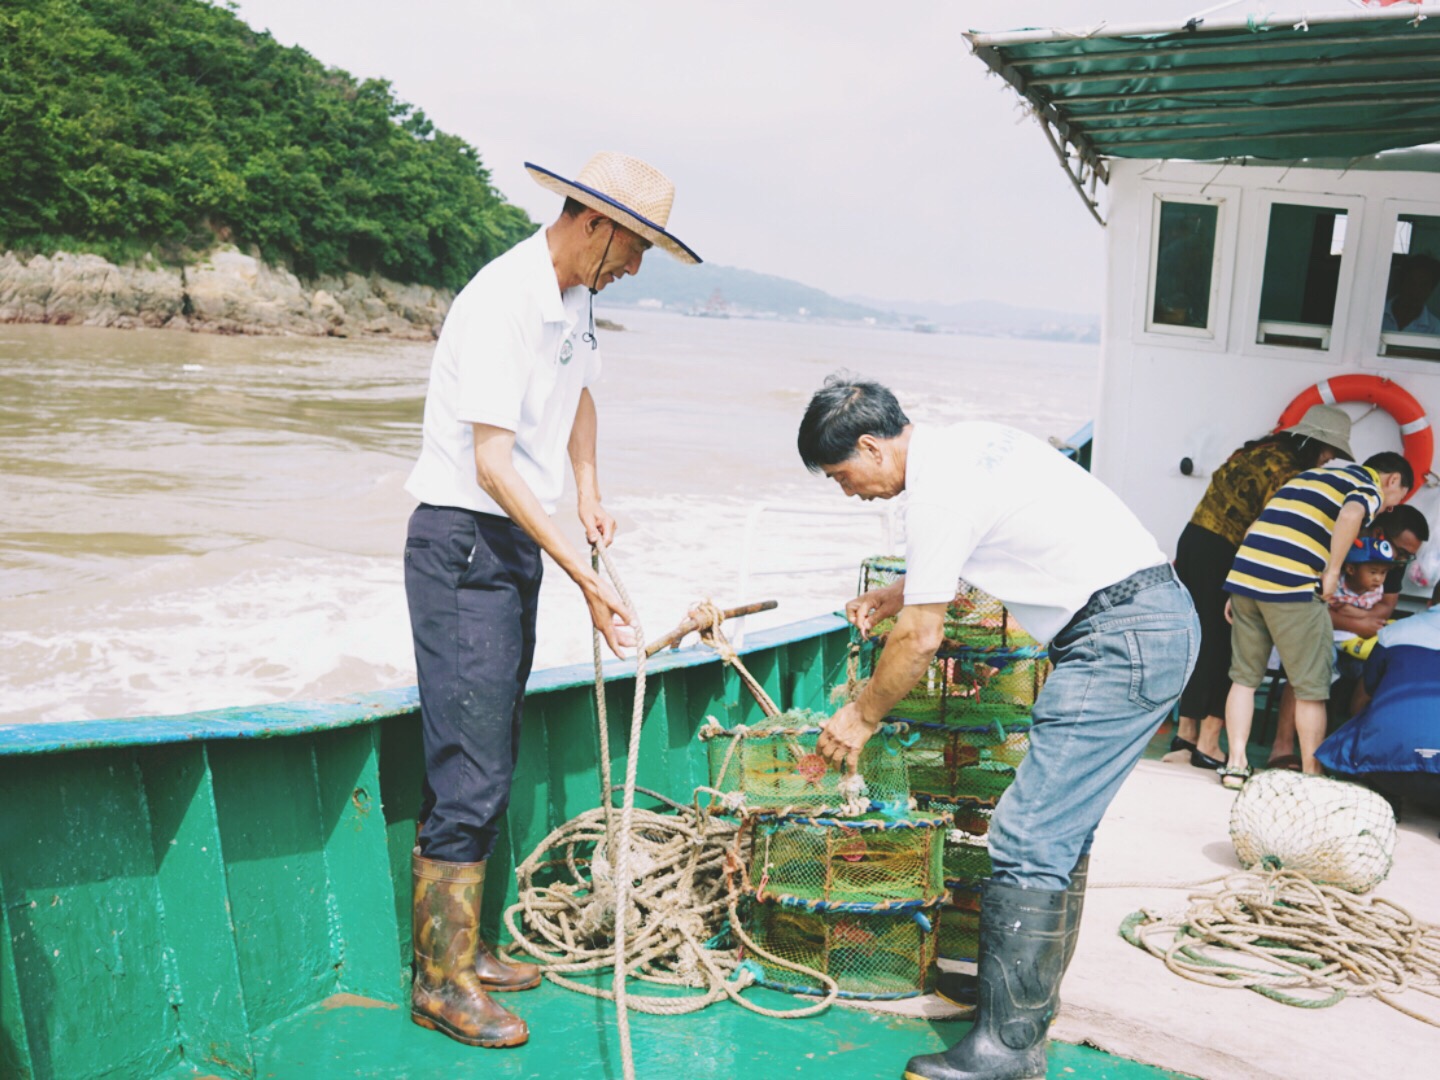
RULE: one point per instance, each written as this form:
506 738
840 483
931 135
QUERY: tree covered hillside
129 126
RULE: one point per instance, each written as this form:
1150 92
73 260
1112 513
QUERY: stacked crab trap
968 722
840 876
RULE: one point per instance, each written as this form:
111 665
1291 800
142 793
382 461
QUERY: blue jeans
1118 673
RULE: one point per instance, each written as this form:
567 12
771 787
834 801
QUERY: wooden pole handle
691 624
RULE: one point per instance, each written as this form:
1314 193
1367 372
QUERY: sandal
1202 760
1177 743
1233 779
1285 761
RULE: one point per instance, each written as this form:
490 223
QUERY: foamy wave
302 628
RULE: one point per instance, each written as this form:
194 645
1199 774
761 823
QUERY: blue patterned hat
1370 549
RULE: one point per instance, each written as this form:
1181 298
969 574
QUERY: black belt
1114 595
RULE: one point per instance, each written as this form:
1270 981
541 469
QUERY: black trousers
1202 562
472 582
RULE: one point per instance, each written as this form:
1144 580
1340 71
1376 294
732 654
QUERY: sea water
194 521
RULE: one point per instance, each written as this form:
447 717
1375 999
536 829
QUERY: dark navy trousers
472 582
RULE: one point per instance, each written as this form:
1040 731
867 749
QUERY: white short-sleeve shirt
1015 517
511 354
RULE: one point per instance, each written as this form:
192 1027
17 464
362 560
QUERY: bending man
509 400
1076 568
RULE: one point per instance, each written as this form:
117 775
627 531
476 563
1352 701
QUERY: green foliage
170 125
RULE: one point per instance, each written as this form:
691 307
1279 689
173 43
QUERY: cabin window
1410 326
1182 290
1303 251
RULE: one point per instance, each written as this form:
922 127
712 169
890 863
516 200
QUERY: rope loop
647 895
1295 941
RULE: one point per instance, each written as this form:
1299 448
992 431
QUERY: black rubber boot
1075 907
1022 956
962 989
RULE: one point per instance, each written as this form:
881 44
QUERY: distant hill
733 291
989 317
728 290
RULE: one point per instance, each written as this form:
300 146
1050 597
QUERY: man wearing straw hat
509 400
1076 568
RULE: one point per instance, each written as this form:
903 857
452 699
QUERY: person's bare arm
875 606
599 525
1347 528
1385 606
1362 622
496 475
919 630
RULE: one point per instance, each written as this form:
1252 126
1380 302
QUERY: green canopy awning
1339 85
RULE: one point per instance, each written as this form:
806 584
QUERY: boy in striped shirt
1284 575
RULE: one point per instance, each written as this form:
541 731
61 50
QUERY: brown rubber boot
497 975
447 994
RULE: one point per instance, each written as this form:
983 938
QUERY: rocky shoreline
227 292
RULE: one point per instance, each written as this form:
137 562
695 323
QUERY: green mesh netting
871 859
773 765
946 762
868 954
958 935
988 671
969 816
975 620
973 689
966 859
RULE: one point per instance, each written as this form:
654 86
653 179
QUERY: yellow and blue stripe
1286 550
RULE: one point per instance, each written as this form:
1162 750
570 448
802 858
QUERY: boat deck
575 1037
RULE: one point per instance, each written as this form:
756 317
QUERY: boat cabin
1269 225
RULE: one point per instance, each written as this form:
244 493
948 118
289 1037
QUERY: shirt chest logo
567 351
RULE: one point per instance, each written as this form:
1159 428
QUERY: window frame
1354 208
1212 336
1373 315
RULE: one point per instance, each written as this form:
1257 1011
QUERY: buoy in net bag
1333 832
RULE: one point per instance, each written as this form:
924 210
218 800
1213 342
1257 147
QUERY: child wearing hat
1362 584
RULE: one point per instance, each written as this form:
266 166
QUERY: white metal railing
885 513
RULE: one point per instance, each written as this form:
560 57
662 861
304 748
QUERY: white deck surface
1170 822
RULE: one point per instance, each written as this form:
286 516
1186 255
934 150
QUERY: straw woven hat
625 189
1328 425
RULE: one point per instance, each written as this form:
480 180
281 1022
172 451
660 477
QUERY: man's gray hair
839 413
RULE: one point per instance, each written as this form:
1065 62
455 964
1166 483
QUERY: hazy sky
858 147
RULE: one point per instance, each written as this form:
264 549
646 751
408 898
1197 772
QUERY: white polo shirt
1017 518
510 355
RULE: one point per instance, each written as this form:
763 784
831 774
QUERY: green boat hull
172 888
226 894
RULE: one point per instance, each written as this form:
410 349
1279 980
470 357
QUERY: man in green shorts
1284 574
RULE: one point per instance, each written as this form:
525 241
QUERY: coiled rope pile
643 894
1295 941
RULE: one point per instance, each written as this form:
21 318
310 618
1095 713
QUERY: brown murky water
193 521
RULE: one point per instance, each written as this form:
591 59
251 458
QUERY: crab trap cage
966 860
869 859
774 765
968 689
987 670
872 951
969 816
950 763
974 621
958 931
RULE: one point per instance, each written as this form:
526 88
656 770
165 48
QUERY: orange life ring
1419 439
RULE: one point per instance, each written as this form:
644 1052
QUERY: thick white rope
1314 944
689 862
622 837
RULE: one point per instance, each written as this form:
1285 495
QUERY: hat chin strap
589 335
